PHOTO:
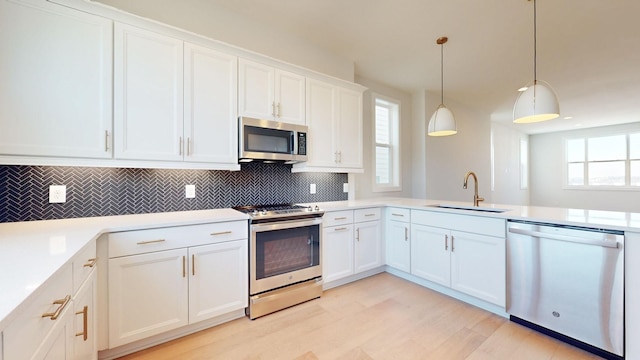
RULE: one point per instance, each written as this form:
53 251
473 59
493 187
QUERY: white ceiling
588 50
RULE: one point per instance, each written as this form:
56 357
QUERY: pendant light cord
535 44
441 73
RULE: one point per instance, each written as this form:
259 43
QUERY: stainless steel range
285 262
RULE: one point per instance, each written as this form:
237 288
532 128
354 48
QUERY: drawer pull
62 302
340 218
222 233
406 234
184 266
92 262
394 214
151 241
85 320
358 234
193 264
369 214
340 229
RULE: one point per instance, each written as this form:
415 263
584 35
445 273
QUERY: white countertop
32 252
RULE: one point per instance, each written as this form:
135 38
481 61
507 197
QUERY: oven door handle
287 224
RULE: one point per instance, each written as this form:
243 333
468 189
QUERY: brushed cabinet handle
222 233
406 233
184 266
452 240
273 109
446 242
193 264
91 263
394 214
340 229
340 218
358 234
188 146
279 113
106 140
63 303
369 214
85 322
151 242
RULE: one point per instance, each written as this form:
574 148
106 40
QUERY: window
387 153
605 161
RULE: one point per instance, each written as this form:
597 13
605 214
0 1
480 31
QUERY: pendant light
442 122
538 102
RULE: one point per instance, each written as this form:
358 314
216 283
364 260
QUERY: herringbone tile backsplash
24 190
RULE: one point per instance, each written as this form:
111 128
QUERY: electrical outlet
345 187
312 189
190 191
57 194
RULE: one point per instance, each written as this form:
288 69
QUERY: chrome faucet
476 197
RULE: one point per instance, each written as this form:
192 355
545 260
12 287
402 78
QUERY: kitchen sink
471 208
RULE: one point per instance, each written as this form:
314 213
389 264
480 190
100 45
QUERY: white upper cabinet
271 94
334 117
148 102
55 92
210 106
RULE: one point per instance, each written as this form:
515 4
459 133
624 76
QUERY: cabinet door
290 97
148 103
398 245
632 295
210 107
218 280
368 246
430 257
256 96
148 295
85 337
321 114
59 344
55 93
349 130
478 266
337 253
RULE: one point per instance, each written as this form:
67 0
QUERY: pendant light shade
538 102
442 122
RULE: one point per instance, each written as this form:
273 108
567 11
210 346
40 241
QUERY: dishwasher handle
573 239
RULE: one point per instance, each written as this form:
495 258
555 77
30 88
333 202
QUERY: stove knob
263 212
255 213
317 208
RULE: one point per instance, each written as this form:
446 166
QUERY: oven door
284 253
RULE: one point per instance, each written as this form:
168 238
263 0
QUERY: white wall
418 144
547 169
364 182
506 187
448 158
216 22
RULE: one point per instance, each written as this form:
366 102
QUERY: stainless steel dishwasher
568 282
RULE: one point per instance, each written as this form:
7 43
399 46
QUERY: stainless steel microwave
269 141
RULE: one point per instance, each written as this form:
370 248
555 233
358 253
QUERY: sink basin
471 208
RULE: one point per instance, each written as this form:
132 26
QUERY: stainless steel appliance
568 282
285 260
271 141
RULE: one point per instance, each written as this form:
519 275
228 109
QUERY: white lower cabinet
158 283
84 323
468 262
350 244
398 239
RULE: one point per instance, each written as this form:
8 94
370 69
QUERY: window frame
627 163
395 183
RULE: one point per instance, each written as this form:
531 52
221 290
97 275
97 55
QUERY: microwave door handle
294 143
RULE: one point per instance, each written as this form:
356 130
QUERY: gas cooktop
279 211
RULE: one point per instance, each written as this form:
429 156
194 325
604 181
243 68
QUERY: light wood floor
381 317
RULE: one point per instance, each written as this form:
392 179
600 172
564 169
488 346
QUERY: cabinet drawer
83 263
398 214
29 329
145 241
370 214
468 223
335 218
